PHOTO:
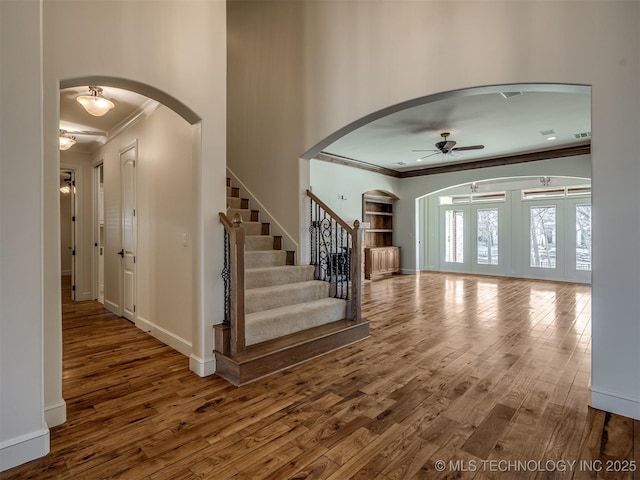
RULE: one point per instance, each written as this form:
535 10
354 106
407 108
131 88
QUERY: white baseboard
55 414
615 403
23 449
165 336
201 367
406 271
112 307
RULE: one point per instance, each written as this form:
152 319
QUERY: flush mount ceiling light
94 103
66 141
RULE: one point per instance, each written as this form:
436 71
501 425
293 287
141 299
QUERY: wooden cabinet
381 260
380 256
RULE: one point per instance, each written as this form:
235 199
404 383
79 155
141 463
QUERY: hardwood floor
488 375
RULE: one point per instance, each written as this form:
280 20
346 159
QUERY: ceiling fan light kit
94 103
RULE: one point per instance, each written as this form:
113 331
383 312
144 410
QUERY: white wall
179 48
164 215
354 58
23 432
341 187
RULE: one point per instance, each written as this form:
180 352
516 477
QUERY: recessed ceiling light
552 138
418 159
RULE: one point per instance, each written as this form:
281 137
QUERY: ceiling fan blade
470 147
430 155
427 150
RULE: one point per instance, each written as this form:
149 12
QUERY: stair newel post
356 271
238 343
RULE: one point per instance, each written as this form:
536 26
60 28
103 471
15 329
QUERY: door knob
121 253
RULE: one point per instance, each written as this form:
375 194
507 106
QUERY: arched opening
156 138
527 227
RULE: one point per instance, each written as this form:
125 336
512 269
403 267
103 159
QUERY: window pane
454 240
488 237
543 237
583 237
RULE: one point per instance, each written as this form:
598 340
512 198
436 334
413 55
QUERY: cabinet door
394 259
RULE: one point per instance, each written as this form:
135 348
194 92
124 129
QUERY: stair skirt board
276 355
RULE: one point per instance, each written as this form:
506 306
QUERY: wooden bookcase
380 256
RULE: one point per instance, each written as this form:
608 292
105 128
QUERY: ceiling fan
447 147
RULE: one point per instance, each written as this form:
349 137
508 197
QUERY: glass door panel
543 237
454 236
487 237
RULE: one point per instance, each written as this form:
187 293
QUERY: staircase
289 317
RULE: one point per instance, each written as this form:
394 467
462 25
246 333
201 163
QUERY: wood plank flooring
477 372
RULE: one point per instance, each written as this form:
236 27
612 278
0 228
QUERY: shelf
388 214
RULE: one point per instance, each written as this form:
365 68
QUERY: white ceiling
74 119
505 126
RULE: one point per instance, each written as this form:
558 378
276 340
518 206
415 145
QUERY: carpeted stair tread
278 322
258 242
269 276
234 202
251 228
245 213
265 258
275 296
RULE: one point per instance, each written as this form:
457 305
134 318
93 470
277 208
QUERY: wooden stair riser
266 298
233 192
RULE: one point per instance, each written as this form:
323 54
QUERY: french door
474 239
541 238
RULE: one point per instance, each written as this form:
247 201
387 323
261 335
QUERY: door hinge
134 259
73 183
73 288
73 252
134 212
73 219
134 309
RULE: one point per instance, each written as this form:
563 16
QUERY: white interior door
128 252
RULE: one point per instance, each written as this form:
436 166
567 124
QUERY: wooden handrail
236 308
331 213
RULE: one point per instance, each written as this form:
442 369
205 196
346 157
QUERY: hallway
458 368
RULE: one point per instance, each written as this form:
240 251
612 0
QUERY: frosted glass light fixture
94 103
66 141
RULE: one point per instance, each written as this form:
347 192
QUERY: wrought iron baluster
226 277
